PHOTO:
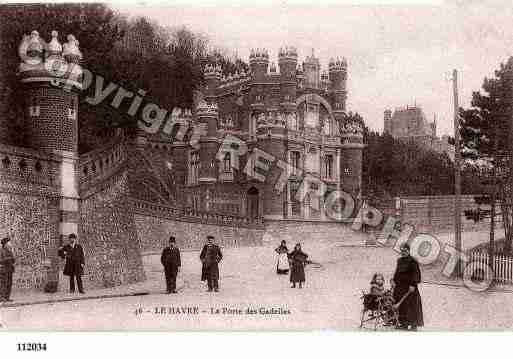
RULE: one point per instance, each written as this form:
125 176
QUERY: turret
311 68
351 157
208 115
51 77
258 63
287 61
212 74
387 121
338 80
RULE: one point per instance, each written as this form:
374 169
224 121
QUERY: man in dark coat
6 270
74 266
210 257
170 259
405 291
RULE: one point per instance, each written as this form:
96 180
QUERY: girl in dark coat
297 266
406 293
282 266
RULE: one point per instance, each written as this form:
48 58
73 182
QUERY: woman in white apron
282 267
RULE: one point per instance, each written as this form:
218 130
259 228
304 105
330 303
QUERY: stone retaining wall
435 214
294 231
109 237
154 233
32 224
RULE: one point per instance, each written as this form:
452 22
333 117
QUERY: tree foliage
94 25
397 168
135 54
486 138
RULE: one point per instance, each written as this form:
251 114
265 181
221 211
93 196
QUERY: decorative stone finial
338 64
54 46
212 70
259 55
351 128
71 52
288 52
35 45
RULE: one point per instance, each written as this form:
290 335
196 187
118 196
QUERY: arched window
295 161
194 168
328 127
227 162
328 166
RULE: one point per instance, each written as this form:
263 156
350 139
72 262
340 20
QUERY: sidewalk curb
93 297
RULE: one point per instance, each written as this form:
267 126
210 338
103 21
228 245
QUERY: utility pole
491 245
457 174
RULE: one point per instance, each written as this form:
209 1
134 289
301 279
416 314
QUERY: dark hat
72 235
210 237
405 246
172 239
5 240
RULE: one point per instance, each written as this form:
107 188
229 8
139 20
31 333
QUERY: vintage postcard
274 167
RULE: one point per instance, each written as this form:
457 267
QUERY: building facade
290 118
410 124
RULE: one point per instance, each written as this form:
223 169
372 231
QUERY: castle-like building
410 124
127 196
292 112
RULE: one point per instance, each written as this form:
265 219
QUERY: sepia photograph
234 166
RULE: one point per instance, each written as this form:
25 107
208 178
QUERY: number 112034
31 347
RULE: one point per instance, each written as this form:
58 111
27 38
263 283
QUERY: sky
398 54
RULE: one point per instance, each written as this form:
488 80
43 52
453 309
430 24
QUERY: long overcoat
297 265
74 259
170 259
6 260
210 257
407 274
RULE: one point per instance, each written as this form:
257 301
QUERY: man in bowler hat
210 257
74 266
170 259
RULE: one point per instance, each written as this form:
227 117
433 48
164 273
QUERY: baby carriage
378 312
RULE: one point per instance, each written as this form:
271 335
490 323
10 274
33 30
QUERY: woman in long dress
406 292
297 266
282 267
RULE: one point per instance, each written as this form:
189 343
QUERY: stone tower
51 74
351 133
287 62
207 116
51 78
387 121
311 68
338 81
212 75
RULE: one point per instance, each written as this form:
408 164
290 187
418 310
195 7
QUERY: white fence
502 267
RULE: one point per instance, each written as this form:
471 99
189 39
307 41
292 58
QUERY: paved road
330 300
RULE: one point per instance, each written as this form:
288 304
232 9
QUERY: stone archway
253 208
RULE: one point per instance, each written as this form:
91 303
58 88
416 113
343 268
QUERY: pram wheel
378 313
